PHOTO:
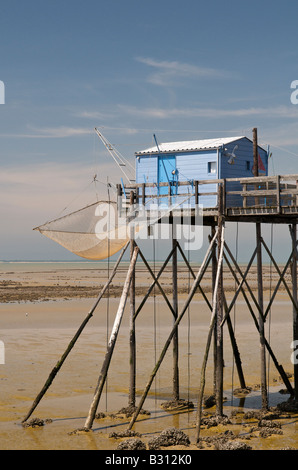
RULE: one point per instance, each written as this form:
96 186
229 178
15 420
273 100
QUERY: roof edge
214 145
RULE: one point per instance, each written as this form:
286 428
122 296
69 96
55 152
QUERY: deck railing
276 194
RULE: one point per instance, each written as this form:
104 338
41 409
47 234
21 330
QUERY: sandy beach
41 310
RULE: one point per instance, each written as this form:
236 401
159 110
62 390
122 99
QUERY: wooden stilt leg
214 269
59 364
132 332
219 309
111 344
261 319
248 303
210 333
175 337
168 342
295 313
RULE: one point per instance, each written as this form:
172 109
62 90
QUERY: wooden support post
245 197
219 309
175 326
235 348
210 333
111 344
143 194
213 271
175 315
256 159
278 202
261 318
255 151
227 316
248 303
119 199
295 313
196 193
59 364
132 331
224 198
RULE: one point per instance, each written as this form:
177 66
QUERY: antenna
154 136
117 157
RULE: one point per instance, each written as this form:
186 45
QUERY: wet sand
36 333
42 285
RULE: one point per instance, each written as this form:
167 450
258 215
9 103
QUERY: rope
74 199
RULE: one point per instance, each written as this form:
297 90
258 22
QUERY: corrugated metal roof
189 145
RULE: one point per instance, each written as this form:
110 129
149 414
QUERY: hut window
212 167
247 165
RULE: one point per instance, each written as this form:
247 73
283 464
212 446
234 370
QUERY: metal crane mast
118 158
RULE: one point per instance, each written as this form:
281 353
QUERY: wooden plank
253 193
289 191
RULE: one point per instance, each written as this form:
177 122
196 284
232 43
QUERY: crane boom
117 157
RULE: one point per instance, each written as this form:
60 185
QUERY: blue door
167 173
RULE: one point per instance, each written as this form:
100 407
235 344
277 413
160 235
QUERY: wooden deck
270 199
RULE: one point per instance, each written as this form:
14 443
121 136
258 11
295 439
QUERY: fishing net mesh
92 232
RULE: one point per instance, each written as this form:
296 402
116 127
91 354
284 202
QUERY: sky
180 70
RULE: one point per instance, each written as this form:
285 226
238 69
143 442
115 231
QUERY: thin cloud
42 191
167 113
283 136
168 72
60 132
51 133
93 115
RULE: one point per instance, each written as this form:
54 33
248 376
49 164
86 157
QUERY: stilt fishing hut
208 182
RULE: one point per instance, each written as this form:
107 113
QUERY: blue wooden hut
208 159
